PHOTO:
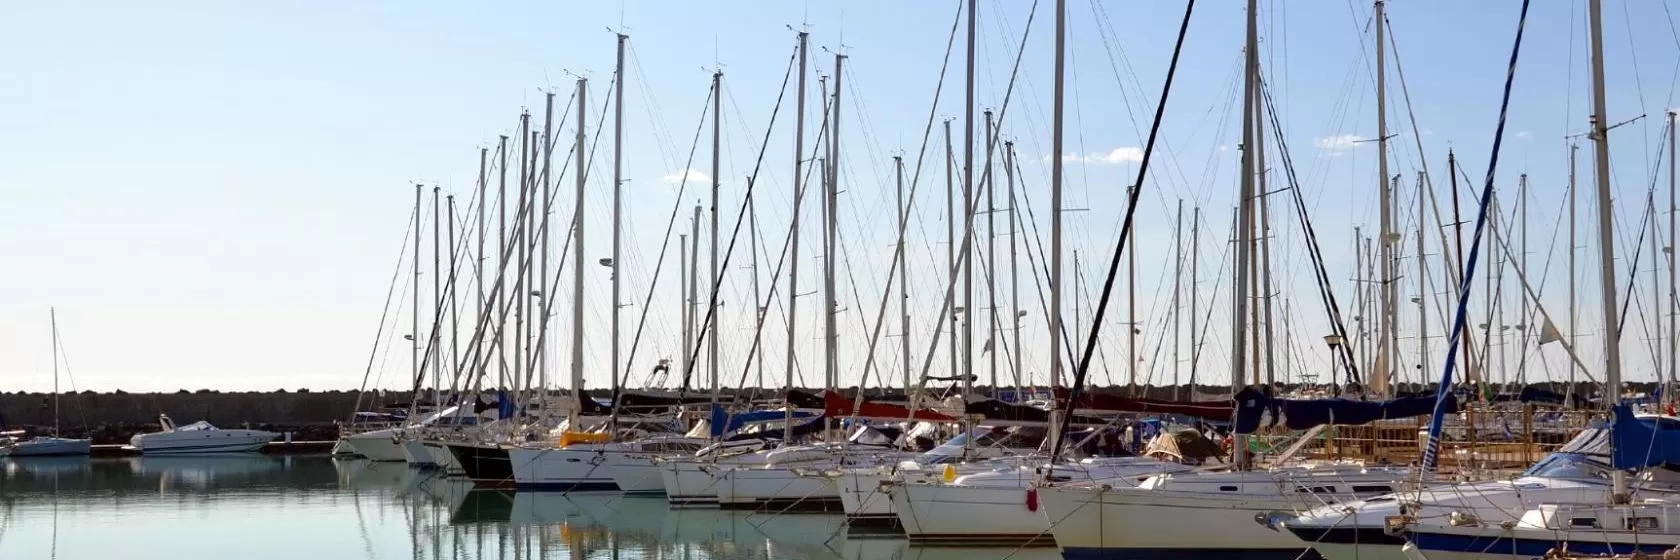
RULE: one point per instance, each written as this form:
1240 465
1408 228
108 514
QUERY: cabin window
1584 522
1317 489
1229 488
1376 488
1642 523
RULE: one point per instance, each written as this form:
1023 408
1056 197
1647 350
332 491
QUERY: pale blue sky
213 194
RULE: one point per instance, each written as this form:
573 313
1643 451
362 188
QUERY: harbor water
258 507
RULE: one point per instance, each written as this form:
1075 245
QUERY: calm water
317 508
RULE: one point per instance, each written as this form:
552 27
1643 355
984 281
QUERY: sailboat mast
1265 276
454 312
682 296
618 210
717 187
52 313
1606 231
521 228
1673 326
694 290
968 208
831 359
991 258
1014 288
437 290
501 250
1574 245
1131 307
1055 273
793 234
1178 282
1423 276
577 255
951 239
1195 334
414 317
1245 197
903 277
541 284
478 265
1385 242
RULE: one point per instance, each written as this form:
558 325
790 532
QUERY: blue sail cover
1642 442
1258 410
725 423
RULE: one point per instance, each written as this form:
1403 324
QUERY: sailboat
1579 500
40 446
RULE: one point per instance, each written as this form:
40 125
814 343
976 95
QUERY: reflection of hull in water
55 465
362 474
201 470
483 506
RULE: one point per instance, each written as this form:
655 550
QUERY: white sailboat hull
377 445
635 473
970 515
564 470
442 457
689 483
47 446
775 490
415 453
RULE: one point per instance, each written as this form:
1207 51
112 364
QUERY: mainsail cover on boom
1259 411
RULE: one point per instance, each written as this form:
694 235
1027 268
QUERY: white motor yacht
197 438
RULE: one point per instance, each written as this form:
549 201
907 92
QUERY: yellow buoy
950 473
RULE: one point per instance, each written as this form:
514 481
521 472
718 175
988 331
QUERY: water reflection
261 508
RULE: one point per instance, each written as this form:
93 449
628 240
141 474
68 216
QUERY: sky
219 195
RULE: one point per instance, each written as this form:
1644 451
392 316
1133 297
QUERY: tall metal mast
1245 197
903 277
1055 274
1423 277
1606 231
1670 310
831 359
1178 282
1574 246
1014 288
414 318
950 310
1379 378
618 208
501 250
968 206
991 257
716 275
793 233
577 255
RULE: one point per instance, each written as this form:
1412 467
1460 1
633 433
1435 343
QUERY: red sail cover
1206 410
836 405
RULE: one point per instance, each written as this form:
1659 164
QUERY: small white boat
43 446
376 445
197 438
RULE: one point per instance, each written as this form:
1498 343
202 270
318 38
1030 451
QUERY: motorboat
197 438
41 446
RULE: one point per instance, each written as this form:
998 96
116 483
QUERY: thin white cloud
694 176
1524 134
1117 156
1337 143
